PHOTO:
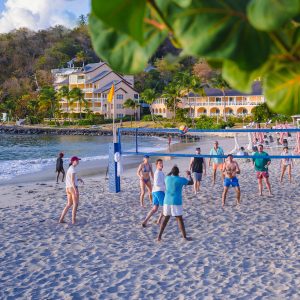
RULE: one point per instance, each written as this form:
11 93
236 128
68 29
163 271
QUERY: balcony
222 103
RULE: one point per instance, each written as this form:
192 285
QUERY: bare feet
158 239
188 239
144 225
61 221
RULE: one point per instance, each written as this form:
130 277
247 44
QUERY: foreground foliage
246 38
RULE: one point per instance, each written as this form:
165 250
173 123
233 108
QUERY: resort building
214 103
96 80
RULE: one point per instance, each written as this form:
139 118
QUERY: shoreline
39 130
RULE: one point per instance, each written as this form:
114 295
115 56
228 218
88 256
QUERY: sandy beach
246 252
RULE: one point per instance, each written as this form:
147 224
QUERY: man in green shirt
261 161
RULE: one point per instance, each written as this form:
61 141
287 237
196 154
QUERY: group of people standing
167 190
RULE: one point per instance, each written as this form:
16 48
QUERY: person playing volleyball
217 162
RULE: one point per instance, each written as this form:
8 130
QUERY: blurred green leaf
282 89
220 30
126 16
120 50
240 79
269 15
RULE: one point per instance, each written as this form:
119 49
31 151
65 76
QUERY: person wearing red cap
72 190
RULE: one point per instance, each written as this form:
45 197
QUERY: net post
114 180
136 140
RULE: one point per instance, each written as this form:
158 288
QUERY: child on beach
143 172
286 163
173 200
158 192
72 190
60 167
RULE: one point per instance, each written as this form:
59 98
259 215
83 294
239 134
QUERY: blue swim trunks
158 198
234 182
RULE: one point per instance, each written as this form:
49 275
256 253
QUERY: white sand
246 252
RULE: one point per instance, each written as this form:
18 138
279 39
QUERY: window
119 106
119 96
231 99
218 99
104 96
136 96
119 115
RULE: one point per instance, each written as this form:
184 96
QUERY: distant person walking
173 200
286 164
261 162
158 192
143 172
198 168
230 170
60 167
217 162
72 190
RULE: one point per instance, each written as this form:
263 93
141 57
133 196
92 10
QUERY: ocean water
26 154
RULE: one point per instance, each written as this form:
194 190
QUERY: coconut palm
219 83
189 84
149 96
131 104
172 93
64 92
48 100
76 95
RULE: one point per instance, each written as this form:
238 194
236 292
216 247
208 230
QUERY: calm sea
26 154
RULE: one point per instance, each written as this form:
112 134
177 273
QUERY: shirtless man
143 172
230 170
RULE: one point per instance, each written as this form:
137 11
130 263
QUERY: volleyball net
243 139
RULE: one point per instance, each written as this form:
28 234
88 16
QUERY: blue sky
40 14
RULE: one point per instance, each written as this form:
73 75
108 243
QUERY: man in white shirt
158 192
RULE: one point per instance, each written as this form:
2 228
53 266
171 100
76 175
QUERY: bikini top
147 169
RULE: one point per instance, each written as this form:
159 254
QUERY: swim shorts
158 198
172 210
261 175
234 182
197 176
217 166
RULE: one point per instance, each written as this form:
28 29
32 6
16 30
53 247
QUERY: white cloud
41 14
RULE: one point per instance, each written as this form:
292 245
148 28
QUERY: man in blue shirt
217 162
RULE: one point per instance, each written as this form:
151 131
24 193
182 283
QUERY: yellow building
95 80
214 103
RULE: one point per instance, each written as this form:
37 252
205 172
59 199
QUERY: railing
197 102
88 90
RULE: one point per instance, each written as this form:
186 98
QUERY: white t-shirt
71 171
159 181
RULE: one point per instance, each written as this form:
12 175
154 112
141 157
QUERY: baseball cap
146 156
75 158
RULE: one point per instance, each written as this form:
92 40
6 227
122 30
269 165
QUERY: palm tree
81 57
149 96
190 83
64 92
76 95
48 99
219 83
130 104
172 93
